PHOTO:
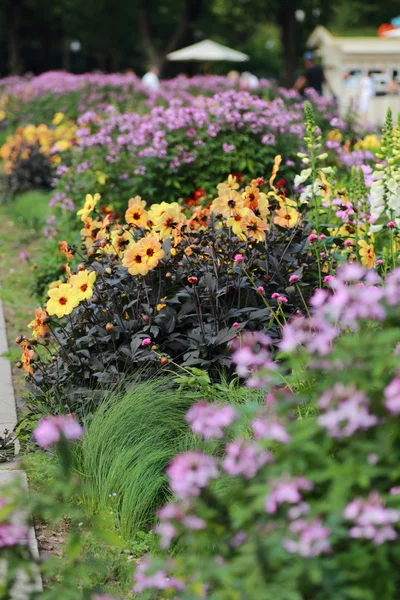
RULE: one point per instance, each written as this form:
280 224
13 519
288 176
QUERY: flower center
136 216
150 251
63 300
84 287
231 203
138 258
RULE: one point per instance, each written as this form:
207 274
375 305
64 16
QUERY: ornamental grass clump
311 508
170 285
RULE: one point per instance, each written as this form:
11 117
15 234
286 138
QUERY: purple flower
286 490
392 396
51 429
228 147
209 420
269 429
371 519
311 538
12 534
191 471
147 578
348 411
244 457
23 255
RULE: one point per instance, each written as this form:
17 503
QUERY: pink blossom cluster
146 579
13 534
51 429
209 420
245 458
348 411
372 520
310 538
251 354
172 514
190 472
392 396
286 490
269 429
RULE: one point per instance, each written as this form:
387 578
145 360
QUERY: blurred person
233 77
151 80
313 76
393 87
248 80
367 91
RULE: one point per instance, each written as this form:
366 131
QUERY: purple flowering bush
176 149
305 504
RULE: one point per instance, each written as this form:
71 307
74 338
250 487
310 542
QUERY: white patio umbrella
207 50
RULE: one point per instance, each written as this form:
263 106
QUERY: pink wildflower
311 538
51 429
270 430
371 519
209 420
312 237
286 491
392 396
191 471
391 224
348 411
261 289
238 258
293 278
244 457
146 341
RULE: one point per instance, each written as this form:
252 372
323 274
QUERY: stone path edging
9 471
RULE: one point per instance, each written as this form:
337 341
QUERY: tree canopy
36 35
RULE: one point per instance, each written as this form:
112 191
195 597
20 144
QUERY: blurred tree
116 34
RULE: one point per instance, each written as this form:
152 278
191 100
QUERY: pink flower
148 579
327 278
379 262
244 457
348 243
12 534
391 224
270 430
372 520
311 538
293 278
236 325
282 299
191 471
146 341
286 491
238 258
51 429
275 295
209 420
392 396
348 411
261 289
23 255
395 491
312 237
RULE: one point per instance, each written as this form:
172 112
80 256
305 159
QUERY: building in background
347 60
